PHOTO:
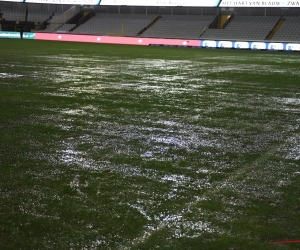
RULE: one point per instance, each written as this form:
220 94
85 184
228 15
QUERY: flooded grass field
123 147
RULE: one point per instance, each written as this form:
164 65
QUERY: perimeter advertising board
260 3
154 41
190 3
194 3
16 35
76 2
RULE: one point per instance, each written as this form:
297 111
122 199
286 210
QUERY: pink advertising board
116 40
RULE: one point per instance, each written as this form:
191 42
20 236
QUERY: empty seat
244 27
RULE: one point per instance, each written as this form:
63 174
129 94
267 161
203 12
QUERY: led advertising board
154 41
18 1
206 3
16 35
189 3
74 2
260 3
193 3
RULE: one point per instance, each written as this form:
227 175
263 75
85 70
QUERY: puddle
9 75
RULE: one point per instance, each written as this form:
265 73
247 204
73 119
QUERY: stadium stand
38 16
251 24
289 31
66 28
115 24
35 16
16 15
179 26
244 28
36 12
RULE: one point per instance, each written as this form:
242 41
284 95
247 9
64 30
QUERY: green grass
125 147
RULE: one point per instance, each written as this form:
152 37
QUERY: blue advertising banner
16 35
19 1
250 45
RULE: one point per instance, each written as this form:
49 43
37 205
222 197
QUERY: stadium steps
223 25
42 25
289 31
204 30
63 18
150 25
222 22
82 17
276 28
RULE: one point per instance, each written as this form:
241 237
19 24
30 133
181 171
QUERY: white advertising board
188 3
260 3
194 3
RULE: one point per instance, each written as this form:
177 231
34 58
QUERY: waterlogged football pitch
123 147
